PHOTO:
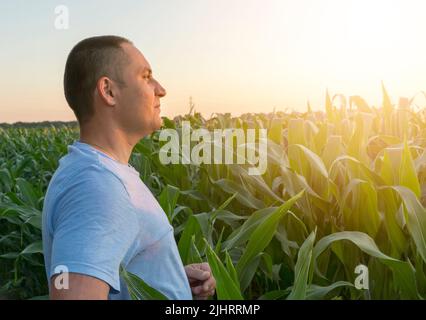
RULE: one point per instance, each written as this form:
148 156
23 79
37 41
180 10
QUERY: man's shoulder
89 188
85 178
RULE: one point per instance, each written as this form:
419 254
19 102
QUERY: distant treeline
43 124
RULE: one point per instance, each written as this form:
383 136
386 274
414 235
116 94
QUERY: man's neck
109 140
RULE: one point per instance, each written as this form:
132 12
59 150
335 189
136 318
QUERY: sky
233 56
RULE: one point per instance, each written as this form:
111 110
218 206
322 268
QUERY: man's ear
106 90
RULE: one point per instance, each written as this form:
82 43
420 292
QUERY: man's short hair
89 60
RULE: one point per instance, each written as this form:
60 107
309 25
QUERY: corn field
343 188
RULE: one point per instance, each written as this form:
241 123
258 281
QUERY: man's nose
159 90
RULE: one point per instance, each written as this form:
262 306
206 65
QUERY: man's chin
158 123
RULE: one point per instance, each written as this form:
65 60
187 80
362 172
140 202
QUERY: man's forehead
137 57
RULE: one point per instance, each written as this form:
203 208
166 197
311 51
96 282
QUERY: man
97 212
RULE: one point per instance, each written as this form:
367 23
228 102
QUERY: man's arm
94 226
80 287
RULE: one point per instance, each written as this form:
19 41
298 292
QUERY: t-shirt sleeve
93 228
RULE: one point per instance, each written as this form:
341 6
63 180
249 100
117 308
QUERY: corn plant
343 188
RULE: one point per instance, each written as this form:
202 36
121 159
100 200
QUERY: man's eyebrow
146 69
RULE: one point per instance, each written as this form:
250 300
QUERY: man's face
139 99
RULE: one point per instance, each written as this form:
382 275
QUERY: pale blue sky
229 55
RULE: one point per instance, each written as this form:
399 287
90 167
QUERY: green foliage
341 189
